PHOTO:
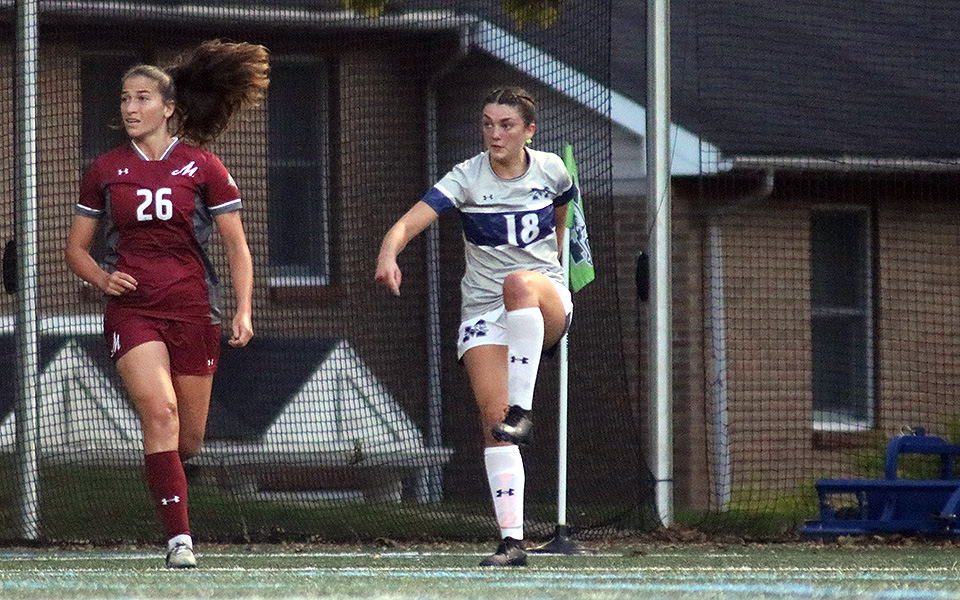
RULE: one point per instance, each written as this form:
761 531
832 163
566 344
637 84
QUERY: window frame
825 420
104 141
90 152
321 168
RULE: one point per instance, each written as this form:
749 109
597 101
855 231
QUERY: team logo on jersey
478 329
188 169
539 193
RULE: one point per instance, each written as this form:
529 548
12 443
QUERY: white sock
525 342
506 478
183 538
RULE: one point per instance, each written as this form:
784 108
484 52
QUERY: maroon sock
168 486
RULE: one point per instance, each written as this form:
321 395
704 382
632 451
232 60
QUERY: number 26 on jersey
156 204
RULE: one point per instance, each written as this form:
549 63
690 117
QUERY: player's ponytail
214 82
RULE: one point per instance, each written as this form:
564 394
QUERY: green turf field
642 571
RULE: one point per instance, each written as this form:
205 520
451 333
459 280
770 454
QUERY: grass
809 571
73 497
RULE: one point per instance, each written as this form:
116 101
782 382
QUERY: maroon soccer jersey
158 216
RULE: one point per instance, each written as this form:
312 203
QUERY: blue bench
892 504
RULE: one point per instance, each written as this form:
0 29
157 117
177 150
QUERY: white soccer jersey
508 224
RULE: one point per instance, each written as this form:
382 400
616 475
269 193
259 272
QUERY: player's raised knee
519 289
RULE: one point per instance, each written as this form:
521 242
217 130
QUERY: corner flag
581 259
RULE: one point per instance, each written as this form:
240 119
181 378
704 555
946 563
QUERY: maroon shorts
194 348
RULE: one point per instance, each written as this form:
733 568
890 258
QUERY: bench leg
237 479
428 485
949 513
383 485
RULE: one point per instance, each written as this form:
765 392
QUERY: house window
100 74
297 180
842 318
100 127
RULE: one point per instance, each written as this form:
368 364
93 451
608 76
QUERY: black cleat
509 554
515 427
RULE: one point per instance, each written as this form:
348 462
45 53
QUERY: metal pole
563 384
561 542
431 478
658 195
718 334
432 490
25 326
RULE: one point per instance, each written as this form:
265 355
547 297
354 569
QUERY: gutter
686 148
845 164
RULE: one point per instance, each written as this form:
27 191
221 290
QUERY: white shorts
490 328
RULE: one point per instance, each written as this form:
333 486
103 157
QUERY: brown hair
516 97
210 85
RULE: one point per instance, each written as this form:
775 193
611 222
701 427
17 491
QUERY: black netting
331 425
816 246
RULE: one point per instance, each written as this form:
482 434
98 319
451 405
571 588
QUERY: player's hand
242 330
118 283
388 275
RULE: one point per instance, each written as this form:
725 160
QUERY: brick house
815 271
815 223
376 109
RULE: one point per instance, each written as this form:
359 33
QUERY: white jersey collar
166 152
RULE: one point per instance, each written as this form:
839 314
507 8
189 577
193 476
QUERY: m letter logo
188 169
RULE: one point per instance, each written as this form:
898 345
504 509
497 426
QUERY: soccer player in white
512 202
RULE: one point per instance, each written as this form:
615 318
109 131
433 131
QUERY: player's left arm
561 224
241 270
563 181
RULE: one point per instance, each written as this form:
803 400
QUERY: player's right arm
405 229
77 254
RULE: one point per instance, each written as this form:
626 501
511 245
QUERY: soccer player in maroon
158 199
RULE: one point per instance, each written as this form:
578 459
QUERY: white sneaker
181 557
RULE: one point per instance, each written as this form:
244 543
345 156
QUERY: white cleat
181 557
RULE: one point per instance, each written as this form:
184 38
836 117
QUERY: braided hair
516 97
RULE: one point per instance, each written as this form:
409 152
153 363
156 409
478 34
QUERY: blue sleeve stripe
567 196
437 200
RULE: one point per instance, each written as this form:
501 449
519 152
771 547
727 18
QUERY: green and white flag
581 259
